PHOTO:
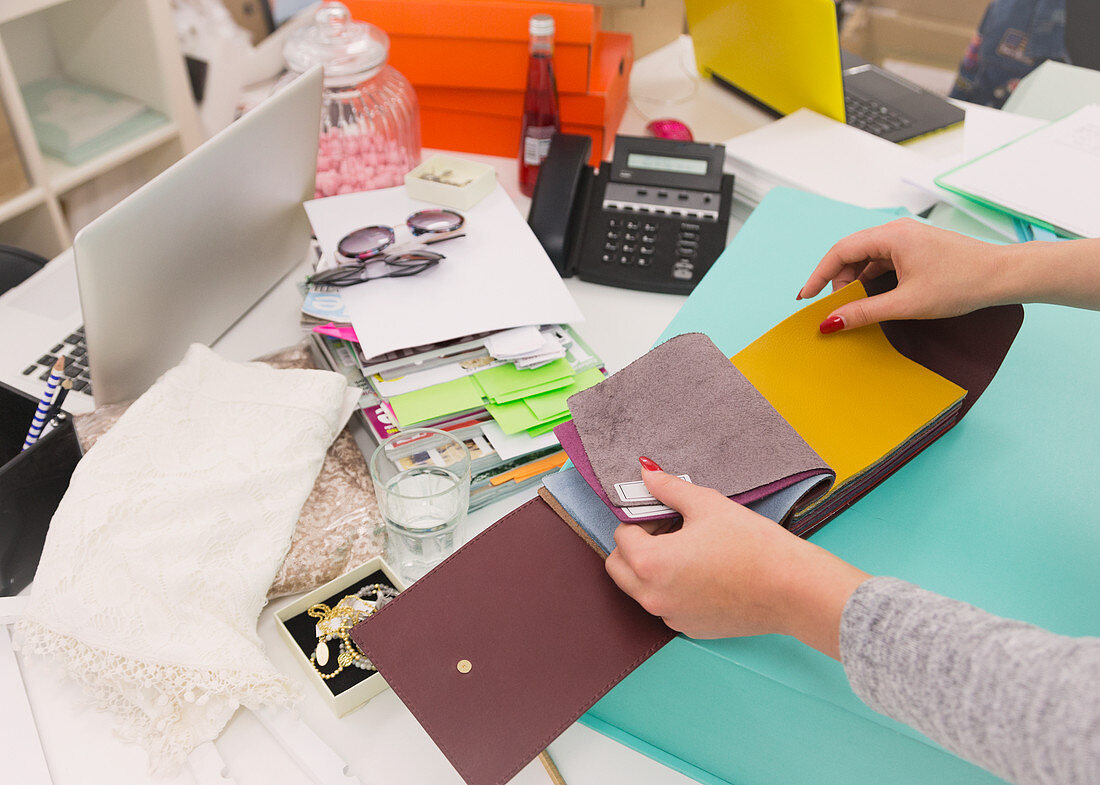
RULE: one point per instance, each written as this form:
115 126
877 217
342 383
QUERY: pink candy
350 161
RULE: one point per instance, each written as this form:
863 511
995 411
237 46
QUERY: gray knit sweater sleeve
1022 702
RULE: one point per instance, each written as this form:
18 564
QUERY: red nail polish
831 325
799 295
648 464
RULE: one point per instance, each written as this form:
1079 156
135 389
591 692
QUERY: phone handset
560 200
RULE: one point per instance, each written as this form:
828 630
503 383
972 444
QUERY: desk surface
381 741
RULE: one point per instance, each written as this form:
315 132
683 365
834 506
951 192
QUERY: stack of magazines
503 408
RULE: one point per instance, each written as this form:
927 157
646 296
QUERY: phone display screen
663 163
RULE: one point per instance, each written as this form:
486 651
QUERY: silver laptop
177 262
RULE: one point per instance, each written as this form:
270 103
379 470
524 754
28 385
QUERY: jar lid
348 50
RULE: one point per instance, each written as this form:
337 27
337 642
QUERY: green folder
506 383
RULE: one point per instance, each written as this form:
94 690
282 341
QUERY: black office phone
653 218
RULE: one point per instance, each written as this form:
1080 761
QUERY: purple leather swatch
571 442
686 406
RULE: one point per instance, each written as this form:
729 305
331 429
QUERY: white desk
382 741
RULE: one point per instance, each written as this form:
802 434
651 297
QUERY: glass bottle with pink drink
541 118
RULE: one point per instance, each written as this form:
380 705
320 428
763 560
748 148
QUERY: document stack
504 408
478 345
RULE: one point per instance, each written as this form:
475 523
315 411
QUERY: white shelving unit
127 46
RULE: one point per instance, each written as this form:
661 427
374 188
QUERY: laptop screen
784 54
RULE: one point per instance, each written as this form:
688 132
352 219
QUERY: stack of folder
468 64
502 411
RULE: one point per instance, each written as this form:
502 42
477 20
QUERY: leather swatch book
781 413
507 642
867 409
685 406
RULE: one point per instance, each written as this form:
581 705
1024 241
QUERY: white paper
496 277
509 446
517 342
986 129
20 746
817 154
1051 175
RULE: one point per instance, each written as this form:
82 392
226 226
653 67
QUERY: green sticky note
554 404
438 400
513 417
539 430
506 383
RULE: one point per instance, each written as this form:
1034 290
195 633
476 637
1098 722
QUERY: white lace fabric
160 555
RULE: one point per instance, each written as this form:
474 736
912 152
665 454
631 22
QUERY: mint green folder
1000 512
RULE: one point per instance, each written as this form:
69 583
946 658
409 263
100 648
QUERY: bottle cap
350 51
541 24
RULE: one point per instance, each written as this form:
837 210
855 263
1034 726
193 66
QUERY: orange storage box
488 121
481 44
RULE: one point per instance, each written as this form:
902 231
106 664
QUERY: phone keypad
634 243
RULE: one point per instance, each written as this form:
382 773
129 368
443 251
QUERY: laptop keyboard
871 116
75 351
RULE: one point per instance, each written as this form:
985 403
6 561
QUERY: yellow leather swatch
850 395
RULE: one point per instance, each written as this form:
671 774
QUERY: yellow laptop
785 55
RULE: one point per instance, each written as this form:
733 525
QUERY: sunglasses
370 252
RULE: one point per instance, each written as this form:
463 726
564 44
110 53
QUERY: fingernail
648 464
799 295
832 324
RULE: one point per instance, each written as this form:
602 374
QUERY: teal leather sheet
1001 512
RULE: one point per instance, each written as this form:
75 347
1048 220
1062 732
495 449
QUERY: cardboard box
964 13
878 34
488 121
653 24
353 687
481 43
13 179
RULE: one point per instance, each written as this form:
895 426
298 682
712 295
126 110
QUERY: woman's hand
940 274
730 572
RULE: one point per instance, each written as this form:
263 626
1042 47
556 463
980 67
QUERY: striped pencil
59 399
44 403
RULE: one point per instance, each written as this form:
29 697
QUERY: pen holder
32 482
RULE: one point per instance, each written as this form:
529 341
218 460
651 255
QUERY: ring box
451 182
352 687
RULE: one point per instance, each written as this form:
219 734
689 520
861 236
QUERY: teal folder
1000 512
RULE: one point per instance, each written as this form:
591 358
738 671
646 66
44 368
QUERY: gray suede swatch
687 407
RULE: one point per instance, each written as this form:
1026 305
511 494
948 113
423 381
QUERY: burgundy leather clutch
506 643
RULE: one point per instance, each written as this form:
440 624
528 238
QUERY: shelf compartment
92 197
63 177
34 230
21 203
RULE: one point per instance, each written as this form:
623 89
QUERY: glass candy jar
370 125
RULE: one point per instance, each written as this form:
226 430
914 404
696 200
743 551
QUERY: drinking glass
422 484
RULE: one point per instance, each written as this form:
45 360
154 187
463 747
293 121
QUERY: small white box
451 182
357 686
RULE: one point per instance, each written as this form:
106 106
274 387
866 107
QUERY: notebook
177 262
785 55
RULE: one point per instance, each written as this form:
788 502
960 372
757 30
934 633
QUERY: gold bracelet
335 623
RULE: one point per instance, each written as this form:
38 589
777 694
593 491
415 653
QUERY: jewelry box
316 628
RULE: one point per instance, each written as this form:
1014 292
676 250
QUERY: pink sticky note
345 331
